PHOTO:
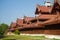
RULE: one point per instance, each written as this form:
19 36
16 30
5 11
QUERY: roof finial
47 3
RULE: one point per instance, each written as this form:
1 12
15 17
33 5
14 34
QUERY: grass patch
21 37
55 39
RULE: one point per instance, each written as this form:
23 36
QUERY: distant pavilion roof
13 24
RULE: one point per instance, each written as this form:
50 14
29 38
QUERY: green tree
3 28
16 32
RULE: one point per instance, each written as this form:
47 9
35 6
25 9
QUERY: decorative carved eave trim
55 5
57 1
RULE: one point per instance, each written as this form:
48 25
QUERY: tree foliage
16 32
3 28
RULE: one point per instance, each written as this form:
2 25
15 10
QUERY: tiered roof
40 9
26 22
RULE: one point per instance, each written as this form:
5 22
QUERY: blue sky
10 10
